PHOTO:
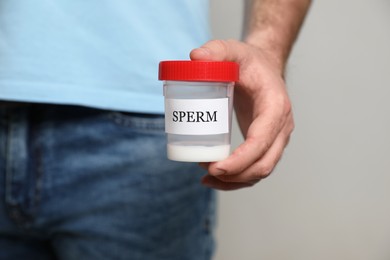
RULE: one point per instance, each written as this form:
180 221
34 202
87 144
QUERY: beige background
329 198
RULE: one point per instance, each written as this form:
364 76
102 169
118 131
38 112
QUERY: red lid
186 70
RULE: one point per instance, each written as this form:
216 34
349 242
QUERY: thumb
220 50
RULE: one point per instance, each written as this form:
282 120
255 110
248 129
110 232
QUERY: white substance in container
192 153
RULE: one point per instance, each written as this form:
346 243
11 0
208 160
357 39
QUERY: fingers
260 137
221 50
255 172
263 167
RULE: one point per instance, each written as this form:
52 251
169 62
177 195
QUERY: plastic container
198 108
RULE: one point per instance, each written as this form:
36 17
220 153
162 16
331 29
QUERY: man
83 164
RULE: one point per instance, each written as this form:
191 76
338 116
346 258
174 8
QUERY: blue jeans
80 183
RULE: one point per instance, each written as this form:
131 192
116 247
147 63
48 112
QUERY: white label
197 116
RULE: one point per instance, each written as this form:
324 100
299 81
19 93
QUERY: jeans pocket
138 121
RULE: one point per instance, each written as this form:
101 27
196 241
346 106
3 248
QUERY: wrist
270 47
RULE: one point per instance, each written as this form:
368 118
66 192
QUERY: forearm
273 25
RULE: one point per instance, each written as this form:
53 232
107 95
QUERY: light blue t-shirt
97 53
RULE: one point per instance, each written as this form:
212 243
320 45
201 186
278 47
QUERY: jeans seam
39 178
13 204
8 168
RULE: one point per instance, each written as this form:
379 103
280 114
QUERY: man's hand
263 112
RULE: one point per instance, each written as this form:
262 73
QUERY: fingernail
203 51
219 171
